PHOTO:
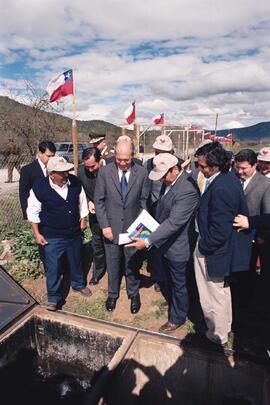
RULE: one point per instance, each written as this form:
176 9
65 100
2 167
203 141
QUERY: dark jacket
225 249
29 175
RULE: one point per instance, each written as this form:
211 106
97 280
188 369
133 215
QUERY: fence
10 210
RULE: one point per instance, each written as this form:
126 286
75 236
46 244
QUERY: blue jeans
177 290
54 253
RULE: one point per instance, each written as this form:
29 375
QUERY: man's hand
83 224
241 222
40 239
138 244
107 233
91 207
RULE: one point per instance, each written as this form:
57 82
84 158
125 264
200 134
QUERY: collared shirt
120 174
245 183
34 206
43 167
171 185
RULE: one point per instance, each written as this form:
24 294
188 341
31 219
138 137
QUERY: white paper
144 219
124 239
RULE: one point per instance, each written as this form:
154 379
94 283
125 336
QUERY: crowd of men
218 204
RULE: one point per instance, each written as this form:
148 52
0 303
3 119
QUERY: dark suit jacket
88 181
174 212
225 249
260 222
29 175
111 210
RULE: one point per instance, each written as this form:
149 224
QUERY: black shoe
94 281
110 304
135 304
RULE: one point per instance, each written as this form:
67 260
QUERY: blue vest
58 217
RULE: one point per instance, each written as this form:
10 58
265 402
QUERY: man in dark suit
87 173
220 249
174 212
34 171
121 193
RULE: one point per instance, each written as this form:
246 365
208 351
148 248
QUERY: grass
94 309
139 319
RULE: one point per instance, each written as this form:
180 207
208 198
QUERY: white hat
58 164
98 139
162 163
163 142
264 154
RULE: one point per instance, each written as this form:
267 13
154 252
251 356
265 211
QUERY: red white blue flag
130 113
60 86
159 119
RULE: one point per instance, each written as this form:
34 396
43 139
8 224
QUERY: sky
188 59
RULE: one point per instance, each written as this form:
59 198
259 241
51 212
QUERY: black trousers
99 265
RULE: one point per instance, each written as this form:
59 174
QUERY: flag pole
216 124
74 132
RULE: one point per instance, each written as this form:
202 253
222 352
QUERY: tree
28 123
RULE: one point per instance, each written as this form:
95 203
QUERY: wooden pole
136 136
74 132
187 144
216 124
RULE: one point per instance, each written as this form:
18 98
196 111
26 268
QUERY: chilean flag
130 113
60 86
159 119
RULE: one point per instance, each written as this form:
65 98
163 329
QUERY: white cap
162 163
264 154
163 142
58 164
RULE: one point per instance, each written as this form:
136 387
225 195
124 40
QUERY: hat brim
66 168
95 140
158 146
263 159
154 175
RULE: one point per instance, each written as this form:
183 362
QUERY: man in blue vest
57 208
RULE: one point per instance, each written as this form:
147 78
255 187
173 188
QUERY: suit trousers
55 252
99 265
215 301
177 290
121 260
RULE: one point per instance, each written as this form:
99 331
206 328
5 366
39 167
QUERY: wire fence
10 209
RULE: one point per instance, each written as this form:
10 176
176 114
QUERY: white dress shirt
43 167
120 174
34 205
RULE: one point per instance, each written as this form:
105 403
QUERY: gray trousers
122 261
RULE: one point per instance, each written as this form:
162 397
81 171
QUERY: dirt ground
150 317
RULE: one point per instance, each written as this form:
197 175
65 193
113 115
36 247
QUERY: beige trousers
215 300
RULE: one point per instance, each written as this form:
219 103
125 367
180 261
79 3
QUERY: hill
29 122
258 132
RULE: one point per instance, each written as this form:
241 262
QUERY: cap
163 142
95 139
264 154
162 163
58 164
